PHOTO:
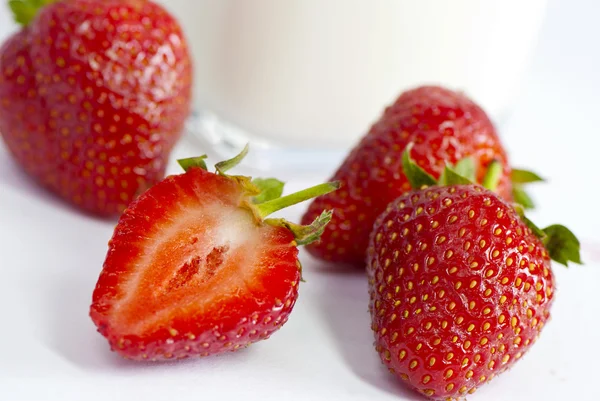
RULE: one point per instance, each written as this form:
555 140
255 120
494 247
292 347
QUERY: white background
50 257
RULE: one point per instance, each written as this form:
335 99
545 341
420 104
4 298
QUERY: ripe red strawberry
194 269
444 126
461 286
93 96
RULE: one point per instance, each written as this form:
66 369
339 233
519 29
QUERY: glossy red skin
445 127
93 96
236 319
417 311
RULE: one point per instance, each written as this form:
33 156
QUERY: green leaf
562 245
24 11
451 177
538 232
417 177
524 177
226 165
304 235
466 168
521 197
190 162
492 176
270 188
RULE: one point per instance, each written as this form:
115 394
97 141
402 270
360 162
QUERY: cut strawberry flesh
194 259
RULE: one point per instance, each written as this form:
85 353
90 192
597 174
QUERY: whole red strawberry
93 96
193 268
444 126
461 286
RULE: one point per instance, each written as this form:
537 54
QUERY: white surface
50 258
275 68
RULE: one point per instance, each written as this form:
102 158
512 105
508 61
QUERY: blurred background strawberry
93 96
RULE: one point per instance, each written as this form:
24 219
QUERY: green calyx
270 189
463 172
562 245
467 170
560 242
492 176
24 11
265 197
519 179
417 177
305 234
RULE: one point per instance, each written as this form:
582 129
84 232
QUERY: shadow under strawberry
11 175
343 299
69 333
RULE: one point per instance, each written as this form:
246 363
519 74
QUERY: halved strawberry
193 268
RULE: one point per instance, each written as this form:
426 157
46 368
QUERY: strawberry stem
492 176
266 208
24 11
270 188
226 165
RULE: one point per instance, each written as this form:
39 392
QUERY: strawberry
93 96
194 269
444 126
460 284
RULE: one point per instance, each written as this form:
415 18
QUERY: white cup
317 73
